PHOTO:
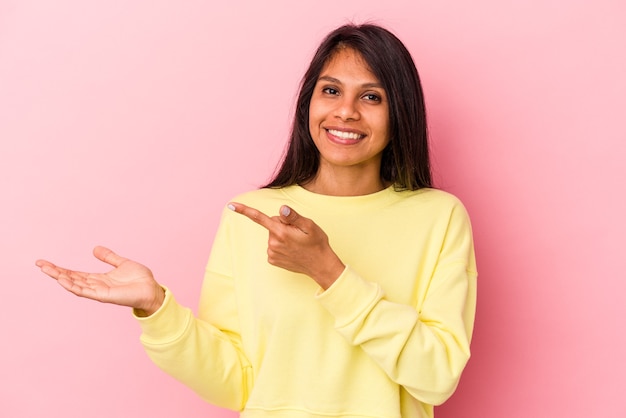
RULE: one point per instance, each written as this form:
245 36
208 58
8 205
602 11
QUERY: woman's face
349 114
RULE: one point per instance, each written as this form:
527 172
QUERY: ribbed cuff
349 297
167 324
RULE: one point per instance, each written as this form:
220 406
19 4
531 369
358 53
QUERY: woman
356 298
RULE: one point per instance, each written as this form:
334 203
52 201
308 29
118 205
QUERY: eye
330 90
372 97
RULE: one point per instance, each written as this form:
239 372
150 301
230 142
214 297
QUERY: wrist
152 305
330 273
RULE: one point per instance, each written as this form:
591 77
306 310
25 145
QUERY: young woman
343 288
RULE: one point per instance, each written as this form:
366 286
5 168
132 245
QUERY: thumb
108 256
290 216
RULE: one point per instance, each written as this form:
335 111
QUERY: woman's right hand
128 284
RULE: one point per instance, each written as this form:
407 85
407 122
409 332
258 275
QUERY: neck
334 183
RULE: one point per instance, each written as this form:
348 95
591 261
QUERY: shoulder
257 195
260 196
429 197
429 204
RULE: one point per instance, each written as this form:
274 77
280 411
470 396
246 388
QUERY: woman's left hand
296 244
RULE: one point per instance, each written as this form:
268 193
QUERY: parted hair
405 160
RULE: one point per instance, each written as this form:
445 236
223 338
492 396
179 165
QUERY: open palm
128 283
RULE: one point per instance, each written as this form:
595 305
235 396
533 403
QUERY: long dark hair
405 160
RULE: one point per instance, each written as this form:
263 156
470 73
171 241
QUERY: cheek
314 121
383 126
312 129
386 125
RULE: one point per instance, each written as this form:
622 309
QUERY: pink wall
131 124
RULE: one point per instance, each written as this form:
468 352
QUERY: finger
76 282
78 286
108 256
55 271
42 263
253 214
291 217
50 269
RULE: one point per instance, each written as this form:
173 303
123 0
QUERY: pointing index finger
252 214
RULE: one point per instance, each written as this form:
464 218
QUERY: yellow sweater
388 339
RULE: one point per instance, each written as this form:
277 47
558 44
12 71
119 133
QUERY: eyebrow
337 81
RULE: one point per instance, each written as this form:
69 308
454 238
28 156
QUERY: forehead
350 63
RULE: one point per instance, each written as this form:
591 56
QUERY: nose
347 109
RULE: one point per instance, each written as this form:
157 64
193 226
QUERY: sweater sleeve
422 348
203 353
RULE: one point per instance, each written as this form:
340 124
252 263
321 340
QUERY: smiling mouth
345 135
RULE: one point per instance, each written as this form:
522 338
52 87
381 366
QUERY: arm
423 348
205 358
205 353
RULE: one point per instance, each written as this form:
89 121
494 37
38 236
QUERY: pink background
131 124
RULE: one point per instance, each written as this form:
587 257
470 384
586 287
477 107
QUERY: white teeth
344 135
